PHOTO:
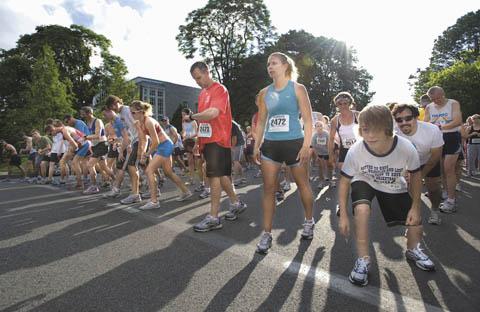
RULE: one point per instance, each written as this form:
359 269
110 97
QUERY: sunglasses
402 119
134 112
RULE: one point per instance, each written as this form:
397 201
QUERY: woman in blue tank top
280 139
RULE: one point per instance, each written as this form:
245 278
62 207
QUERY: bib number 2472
279 123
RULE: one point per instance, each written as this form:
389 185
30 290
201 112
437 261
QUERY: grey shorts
237 152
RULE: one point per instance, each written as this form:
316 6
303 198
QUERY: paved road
61 251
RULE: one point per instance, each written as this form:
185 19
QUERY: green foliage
460 42
224 33
176 120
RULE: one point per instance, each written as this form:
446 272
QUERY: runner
375 167
238 142
15 160
446 114
176 138
161 150
82 127
428 141
42 144
280 105
320 149
473 145
32 153
344 125
127 158
214 132
250 142
99 150
189 136
424 101
56 154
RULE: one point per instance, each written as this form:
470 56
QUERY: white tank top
347 133
442 116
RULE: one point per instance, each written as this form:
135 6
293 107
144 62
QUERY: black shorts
112 153
342 154
55 158
32 156
394 207
132 159
218 160
15 160
323 157
249 150
281 151
44 158
177 151
100 150
188 144
435 172
453 143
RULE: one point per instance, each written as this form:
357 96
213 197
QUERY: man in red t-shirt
214 119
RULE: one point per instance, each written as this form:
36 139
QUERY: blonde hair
343 95
292 72
142 106
376 118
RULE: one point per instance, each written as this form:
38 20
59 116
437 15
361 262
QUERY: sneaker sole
357 283
421 267
218 227
262 251
186 198
306 237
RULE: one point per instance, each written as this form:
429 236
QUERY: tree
460 42
224 33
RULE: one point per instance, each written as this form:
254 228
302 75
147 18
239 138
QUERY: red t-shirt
217 130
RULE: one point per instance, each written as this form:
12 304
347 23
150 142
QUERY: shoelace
419 253
361 266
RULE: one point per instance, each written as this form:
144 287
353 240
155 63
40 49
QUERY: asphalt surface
63 251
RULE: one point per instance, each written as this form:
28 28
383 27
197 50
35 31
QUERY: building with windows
166 97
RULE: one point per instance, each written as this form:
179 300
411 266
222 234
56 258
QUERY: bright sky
392 38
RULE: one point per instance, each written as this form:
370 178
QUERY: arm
436 154
261 120
414 216
331 138
174 135
306 112
69 138
208 114
343 190
153 135
456 117
142 140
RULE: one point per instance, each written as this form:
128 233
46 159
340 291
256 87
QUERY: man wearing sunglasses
428 140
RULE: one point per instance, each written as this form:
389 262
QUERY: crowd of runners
384 151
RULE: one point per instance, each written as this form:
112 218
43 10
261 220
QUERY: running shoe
199 188
359 274
150 205
279 196
448 207
115 192
92 189
444 194
205 193
235 210
184 196
130 199
421 259
434 218
207 224
287 187
265 243
308 227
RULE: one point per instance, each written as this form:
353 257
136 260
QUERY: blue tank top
283 119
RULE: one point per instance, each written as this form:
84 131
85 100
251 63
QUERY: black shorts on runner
55 158
249 150
132 159
100 150
15 160
32 156
188 144
177 151
44 158
218 160
453 143
111 152
342 154
435 172
394 206
285 151
323 157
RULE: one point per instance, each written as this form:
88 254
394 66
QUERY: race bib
321 141
204 130
475 140
279 123
347 143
